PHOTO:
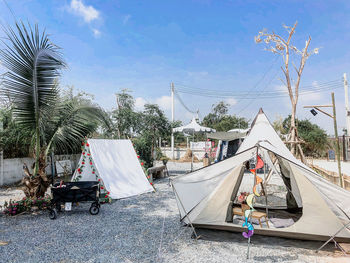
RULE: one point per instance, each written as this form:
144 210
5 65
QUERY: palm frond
33 64
74 121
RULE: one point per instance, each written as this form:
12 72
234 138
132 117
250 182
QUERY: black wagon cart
73 192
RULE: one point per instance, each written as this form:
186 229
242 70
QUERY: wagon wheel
58 207
94 209
53 213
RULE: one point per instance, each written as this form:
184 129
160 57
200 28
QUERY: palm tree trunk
37 148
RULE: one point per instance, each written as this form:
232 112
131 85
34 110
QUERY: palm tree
34 65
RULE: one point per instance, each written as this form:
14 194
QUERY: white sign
68 206
200 145
63 166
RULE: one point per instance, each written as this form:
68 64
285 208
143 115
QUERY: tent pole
192 151
189 220
332 238
265 188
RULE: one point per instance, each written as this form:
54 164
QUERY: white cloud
140 103
87 12
97 33
231 101
310 97
126 19
164 102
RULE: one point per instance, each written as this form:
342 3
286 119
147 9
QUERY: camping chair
257 215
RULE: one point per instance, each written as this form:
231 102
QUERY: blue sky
145 45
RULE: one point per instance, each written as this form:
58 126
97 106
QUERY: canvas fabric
204 196
117 165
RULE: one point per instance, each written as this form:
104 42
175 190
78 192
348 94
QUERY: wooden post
337 142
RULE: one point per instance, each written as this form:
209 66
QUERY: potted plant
164 159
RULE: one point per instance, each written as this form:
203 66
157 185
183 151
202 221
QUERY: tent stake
189 220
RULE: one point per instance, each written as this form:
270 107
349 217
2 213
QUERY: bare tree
282 46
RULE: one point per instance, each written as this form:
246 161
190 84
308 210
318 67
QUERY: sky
144 46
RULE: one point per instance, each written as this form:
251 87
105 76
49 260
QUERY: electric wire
335 84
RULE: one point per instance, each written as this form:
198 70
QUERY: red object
87 145
102 187
88 154
138 156
79 170
93 172
151 183
90 163
260 163
106 196
108 193
82 162
82 143
99 180
253 171
83 153
142 163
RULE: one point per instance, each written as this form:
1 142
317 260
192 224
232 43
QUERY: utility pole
172 119
334 117
347 116
347 110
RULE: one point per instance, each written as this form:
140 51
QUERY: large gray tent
205 197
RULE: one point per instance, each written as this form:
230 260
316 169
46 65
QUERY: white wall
12 169
180 152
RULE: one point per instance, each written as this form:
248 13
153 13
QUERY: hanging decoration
87 160
250 199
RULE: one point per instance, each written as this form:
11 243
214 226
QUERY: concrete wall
11 170
180 152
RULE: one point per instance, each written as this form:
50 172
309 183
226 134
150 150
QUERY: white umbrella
193 127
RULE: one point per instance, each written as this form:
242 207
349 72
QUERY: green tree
155 123
219 120
316 142
126 119
14 140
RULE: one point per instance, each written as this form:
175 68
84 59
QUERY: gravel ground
145 228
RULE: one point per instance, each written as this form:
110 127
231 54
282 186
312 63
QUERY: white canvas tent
206 197
115 164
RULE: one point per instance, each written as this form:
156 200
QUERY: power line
330 85
183 104
253 99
